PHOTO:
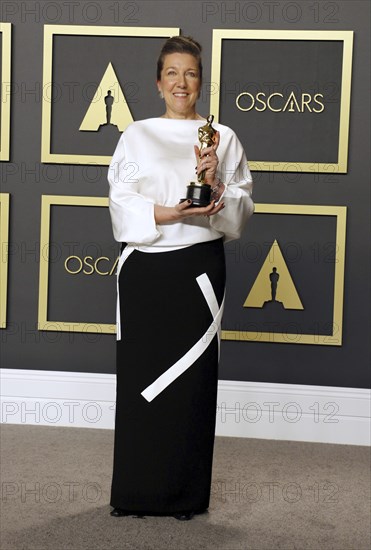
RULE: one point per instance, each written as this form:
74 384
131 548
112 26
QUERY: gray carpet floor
265 495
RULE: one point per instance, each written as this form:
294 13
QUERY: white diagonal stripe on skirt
172 373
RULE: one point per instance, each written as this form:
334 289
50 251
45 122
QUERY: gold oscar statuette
199 192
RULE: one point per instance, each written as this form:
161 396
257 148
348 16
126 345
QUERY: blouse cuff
134 222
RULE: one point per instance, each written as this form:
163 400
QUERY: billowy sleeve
234 172
132 215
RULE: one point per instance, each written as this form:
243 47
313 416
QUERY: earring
161 94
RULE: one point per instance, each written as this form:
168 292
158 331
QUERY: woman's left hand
208 161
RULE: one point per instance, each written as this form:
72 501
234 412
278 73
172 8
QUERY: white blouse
153 163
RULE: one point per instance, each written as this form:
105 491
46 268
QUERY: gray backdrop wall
27 179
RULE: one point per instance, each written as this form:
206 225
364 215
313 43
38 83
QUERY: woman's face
180 84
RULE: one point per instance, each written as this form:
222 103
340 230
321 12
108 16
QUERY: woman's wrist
217 189
165 214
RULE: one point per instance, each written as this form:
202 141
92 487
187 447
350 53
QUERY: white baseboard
322 414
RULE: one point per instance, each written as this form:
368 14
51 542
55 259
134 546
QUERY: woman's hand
165 214
185 209
207 160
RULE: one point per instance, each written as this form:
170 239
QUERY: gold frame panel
347 38
318 339
43 324
335 339
49 32
4 231
6 31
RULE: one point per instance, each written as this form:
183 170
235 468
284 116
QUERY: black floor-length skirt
163 449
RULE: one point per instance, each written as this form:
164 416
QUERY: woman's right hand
185 210
182 210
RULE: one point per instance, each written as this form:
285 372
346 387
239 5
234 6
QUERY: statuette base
199 193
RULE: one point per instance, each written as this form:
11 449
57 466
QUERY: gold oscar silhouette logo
108 106
274 288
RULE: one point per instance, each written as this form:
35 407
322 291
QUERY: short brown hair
180 44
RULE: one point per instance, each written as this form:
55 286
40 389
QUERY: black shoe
118 512
184 516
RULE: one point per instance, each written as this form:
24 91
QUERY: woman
171 281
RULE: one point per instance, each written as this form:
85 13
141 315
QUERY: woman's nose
181 81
